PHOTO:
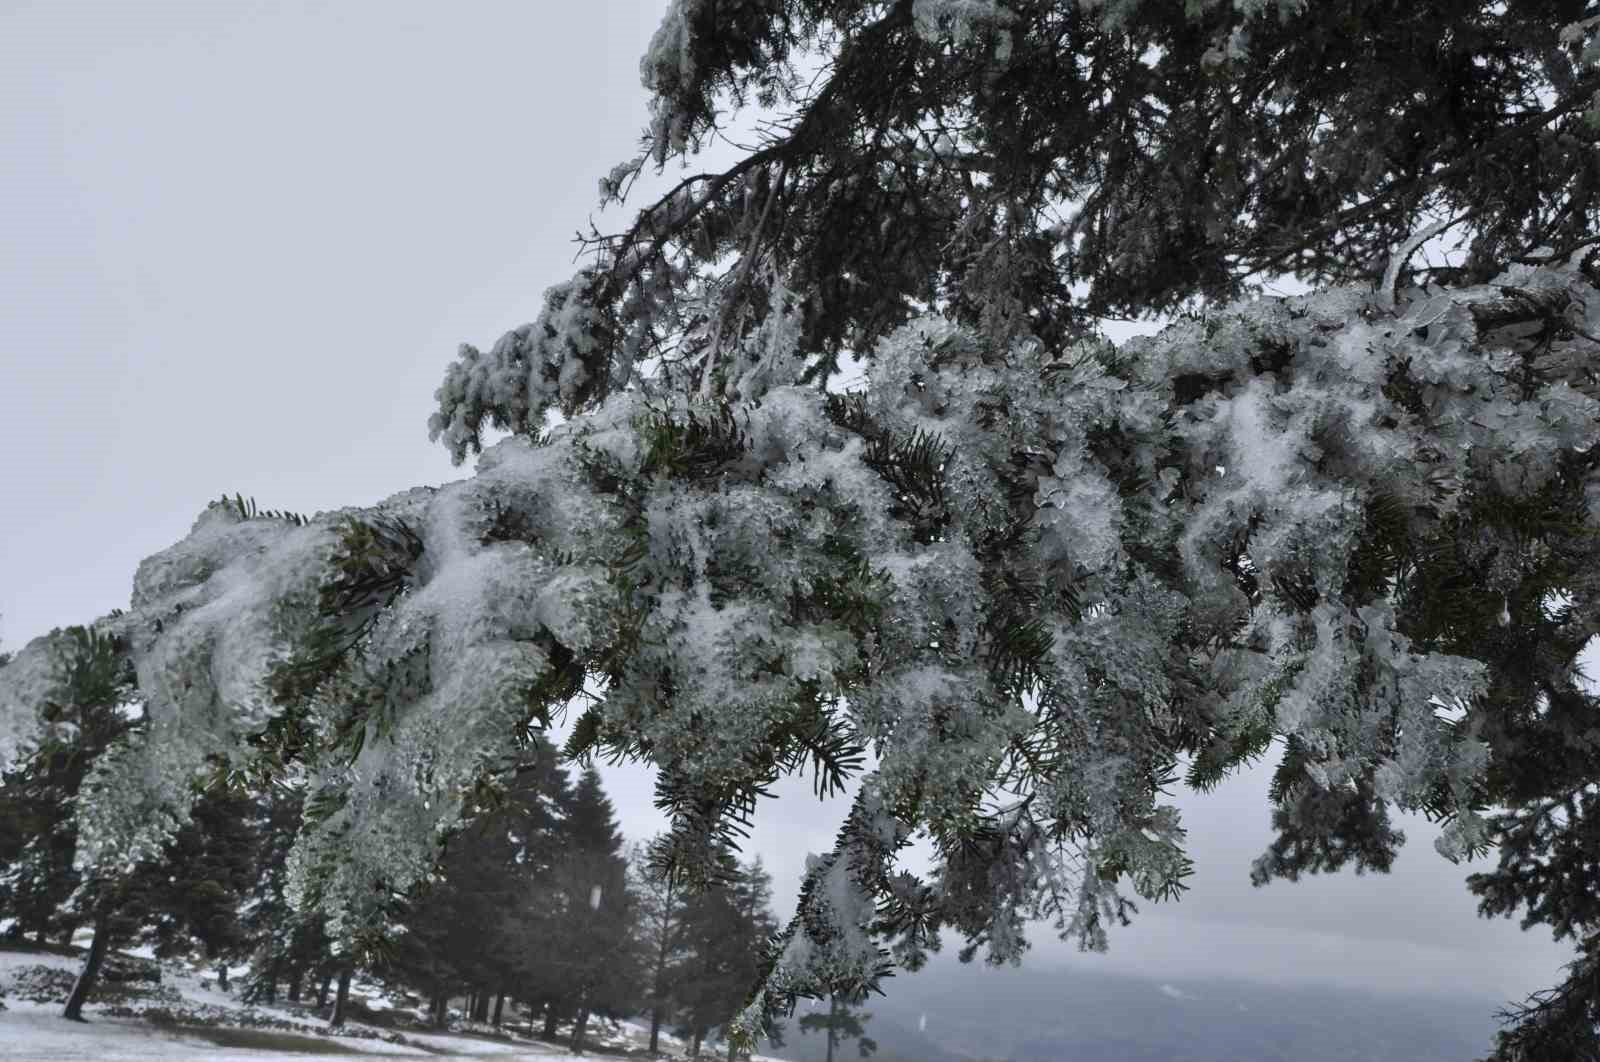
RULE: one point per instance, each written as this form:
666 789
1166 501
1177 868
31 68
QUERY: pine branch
245 509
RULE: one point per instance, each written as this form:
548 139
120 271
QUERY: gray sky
240 244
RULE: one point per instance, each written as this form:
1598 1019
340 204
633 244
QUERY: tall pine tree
453 934
662 906
596 953
727 926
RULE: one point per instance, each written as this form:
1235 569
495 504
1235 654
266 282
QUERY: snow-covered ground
34 1031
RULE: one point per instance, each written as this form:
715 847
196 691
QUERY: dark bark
341 1001
658 1008
441 1009
322 990
550 1021
655 1028
90 973
580 1024
499 1007
699 1035
296 977
222 976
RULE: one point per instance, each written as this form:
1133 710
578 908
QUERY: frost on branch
959 18
699 51
1029 581
558 361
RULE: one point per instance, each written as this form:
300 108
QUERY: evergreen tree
454 928
426 957
90 710
117 905
204 876
600 961
727 926
287 944
841 1023
661 912
574 928
758 928
89 690
1030 570
710 988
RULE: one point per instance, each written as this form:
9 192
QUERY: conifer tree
88 691
90 710
196 898
841 1023
661 912
757 932
287 944
727 925
427 956
454 930
595 952
1031 571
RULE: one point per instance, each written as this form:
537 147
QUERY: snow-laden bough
1028 581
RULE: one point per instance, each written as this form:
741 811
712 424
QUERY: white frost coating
959 18
667 71
529 370
667 63
1080 514
730 595
28 681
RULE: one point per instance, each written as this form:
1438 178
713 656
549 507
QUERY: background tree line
536 901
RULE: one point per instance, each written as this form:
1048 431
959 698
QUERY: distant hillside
950 1013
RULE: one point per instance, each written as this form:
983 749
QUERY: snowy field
32 1031
35 1032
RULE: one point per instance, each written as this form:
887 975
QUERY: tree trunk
322 990
222 977
833 1023
441 1009
655 1028
296 976
694 1051
732 1053
550 1021
579 1024
342 1000
91 968
480 1009
659 1003
499 1007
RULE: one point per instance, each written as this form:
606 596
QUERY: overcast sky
239 243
